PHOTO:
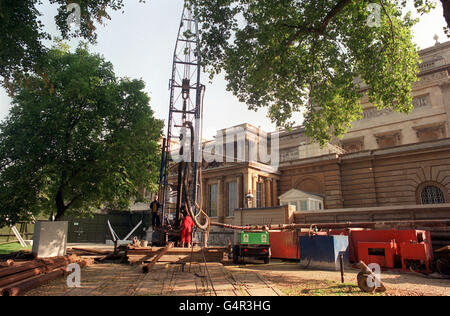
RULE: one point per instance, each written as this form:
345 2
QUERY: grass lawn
12 247
325 288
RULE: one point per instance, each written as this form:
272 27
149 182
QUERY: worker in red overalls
186 229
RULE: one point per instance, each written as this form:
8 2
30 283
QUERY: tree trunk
446 7
61 208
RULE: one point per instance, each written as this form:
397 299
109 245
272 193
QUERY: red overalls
186 229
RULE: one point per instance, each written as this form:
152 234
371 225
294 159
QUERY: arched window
432 195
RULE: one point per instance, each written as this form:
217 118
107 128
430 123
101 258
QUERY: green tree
77 139
21 32
446 9
295 55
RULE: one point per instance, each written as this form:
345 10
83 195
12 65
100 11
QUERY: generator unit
405 249
252 245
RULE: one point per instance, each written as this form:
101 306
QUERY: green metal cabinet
254 238
252 245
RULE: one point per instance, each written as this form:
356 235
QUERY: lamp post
249 198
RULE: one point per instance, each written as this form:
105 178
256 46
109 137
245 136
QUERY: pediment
295 194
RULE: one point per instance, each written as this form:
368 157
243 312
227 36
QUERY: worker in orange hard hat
187 224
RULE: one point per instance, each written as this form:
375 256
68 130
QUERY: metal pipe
7 263
341 263
441 222
21 268
16 283
21 276
249 228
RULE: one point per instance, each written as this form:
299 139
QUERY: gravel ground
288 277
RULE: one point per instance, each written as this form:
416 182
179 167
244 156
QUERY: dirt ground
253 279
291 280
163 280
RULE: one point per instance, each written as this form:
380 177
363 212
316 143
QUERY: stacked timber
138 255
16 278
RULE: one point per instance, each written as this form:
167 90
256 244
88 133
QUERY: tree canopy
77 139
294 55
22 33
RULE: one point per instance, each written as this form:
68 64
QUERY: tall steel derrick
185 117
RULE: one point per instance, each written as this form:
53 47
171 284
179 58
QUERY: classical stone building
428 121
386 159
389 158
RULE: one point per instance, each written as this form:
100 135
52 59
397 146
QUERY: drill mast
185 121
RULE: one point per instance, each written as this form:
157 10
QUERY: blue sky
140 44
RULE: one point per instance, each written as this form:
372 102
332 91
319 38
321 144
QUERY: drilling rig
184 130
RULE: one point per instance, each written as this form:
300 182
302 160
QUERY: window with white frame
302 201
306 205
213 198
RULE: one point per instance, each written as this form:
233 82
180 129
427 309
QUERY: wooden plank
175 255
158 256
90 250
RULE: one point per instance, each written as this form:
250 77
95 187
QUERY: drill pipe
440 222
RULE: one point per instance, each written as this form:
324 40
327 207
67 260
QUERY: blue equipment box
322 252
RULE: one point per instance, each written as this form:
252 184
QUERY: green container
253 238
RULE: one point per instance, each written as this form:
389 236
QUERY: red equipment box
284 244
382 253
416 255
406 249
394 248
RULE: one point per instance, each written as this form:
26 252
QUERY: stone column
268 192
275 192
254 189
221 199
446 102
240 192
245 187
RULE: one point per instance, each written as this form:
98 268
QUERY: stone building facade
428 121
389 158
386 159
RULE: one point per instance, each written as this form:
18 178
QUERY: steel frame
185 111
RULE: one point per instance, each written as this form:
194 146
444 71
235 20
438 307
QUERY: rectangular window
232 198
377 252
294 204
213 200
304 205
259 190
